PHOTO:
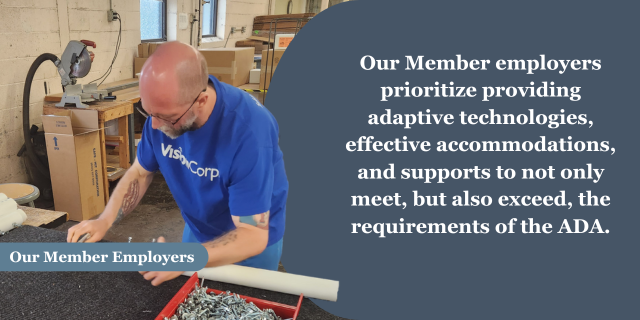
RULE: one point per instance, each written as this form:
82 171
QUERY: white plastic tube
8 220
272 280
7 206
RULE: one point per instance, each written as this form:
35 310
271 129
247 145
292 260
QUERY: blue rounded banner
102 256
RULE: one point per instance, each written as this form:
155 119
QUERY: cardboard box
248 43
137 65
153 46
260 49
264 85
254 76
143 50
146 49
229 65
75 162
274 55
257 45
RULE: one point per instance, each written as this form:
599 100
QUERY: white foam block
7 221
7 206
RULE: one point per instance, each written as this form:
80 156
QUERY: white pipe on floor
7 221
272 280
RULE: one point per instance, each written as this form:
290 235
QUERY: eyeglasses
173 123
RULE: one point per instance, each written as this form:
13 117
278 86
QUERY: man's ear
203 98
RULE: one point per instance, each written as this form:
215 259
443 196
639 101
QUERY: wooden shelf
113 161
120 109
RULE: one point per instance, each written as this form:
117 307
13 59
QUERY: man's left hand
158 277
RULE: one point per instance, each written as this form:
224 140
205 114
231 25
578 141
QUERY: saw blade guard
75 62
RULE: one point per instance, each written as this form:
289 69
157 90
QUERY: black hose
26 126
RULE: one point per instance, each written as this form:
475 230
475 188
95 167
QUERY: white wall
29 28
297 6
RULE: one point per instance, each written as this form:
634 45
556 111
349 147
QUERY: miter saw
76 63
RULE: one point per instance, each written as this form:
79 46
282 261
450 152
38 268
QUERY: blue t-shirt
232 165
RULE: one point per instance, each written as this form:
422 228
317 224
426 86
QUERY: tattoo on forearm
223 240
131 197
129 201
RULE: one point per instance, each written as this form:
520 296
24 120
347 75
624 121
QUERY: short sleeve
251 179
146 157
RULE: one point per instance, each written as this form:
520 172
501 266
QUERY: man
217 148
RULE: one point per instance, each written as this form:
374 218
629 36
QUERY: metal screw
225 306
84 237
130 239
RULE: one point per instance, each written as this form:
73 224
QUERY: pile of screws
225 306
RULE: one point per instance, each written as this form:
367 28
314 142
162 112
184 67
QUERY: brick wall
29 28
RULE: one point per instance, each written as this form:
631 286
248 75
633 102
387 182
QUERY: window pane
208 17
151 19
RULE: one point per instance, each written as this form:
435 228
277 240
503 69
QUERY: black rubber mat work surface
103 295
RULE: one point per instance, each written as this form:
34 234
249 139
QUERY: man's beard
174 133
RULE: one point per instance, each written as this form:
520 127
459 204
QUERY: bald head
172 77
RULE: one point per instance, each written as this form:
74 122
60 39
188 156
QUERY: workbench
122 109
46 218
104 295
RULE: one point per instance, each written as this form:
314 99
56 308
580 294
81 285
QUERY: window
153 14
209 18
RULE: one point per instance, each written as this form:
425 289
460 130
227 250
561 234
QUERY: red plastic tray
284 311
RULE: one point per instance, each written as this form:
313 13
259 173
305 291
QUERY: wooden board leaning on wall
263 23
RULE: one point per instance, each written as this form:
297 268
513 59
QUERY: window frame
214 26
164 25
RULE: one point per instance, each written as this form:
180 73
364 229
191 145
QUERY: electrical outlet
183 22
111 15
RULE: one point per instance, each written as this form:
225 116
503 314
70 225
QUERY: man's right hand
97 228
